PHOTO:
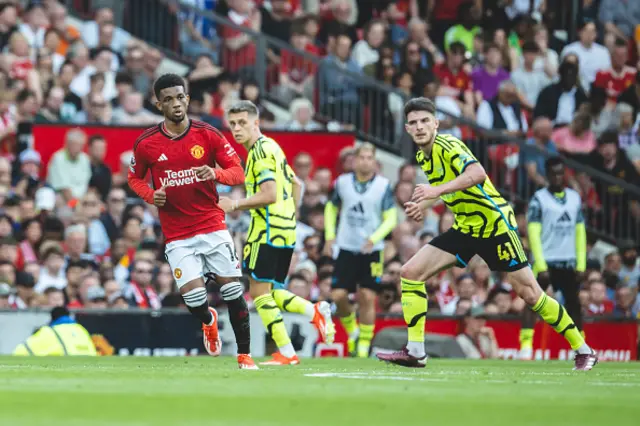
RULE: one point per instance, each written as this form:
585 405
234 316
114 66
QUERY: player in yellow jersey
273 194
484 225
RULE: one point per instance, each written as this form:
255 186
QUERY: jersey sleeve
138 168
227 157
264 164
534 213
460 156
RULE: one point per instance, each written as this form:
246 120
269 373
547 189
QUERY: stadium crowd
78 236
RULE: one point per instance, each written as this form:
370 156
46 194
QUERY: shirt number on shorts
506 251
232 252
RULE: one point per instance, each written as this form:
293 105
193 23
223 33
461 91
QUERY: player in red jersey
181 155
619 77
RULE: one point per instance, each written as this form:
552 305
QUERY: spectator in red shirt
239 49
619 77
599 304
296 72
454 80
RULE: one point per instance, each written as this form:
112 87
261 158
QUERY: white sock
287 350
584 349
416 349
309 310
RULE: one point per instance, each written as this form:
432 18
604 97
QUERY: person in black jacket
559 101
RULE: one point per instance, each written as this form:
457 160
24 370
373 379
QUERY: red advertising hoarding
324 147
614 340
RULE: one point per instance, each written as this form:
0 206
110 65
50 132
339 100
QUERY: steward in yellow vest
63 336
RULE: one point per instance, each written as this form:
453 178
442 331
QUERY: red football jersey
192 204
615 83
460 80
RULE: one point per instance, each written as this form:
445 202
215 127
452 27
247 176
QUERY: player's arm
581 242
297 186
265 170
470 173
137 172
534 229
231 173
389 218
331 210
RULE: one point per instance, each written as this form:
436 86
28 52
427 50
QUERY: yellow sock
526 338
414 308
351 327
364 340
289 302
556 316
272 319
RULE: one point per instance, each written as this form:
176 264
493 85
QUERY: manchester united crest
197 152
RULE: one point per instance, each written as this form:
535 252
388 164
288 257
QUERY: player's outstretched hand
205 172
413 211
425 193
160 197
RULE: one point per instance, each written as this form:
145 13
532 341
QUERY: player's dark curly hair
419 104
168 80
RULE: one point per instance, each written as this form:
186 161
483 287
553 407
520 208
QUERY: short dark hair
298 276
530 46
552 162
490 46
243 106
609 136
23 95
419 104
124 78
168 80
457 47
94 138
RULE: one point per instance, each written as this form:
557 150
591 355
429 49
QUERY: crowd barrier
324 147
177 333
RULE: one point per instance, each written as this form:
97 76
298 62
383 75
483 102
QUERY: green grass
327 392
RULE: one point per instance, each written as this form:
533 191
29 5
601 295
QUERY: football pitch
212 391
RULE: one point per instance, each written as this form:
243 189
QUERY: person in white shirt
511 118
34 25
365 51
592 56
477 341
69 170
527 79
302 112
101 63
91 31
52 271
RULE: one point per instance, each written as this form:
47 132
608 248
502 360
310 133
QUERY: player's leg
528 322
221 261
567 282
319 314
187 269
367 319
345 277
441 253
370 273
260 261
512 259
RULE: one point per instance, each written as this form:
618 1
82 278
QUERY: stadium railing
611 208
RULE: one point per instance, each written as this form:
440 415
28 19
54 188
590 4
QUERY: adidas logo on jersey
358 208
162 157
565 217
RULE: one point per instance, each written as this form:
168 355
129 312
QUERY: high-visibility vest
61 339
